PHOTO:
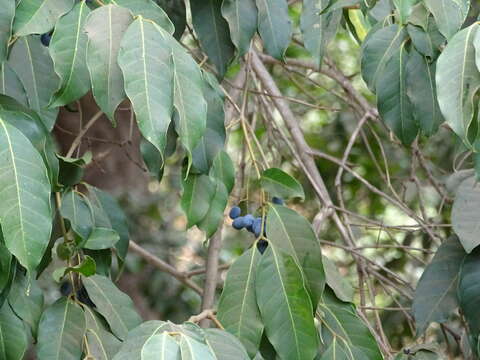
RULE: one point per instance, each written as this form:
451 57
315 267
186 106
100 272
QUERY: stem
80 135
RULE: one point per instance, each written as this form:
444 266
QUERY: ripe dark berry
249 219
45 39
66 288
262 245
239 223
277 200
235 212
257 226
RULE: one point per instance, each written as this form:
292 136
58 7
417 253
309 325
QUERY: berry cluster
252 224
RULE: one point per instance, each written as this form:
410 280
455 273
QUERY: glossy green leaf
13 337
34 67
213 32
61 330
292 233
422 93
449 15
115 306
464 213
237 309
138 339
198 192
149 10
224 345
68 51
378 49
274 26
26 300
102 344
10 84
394 105
285 306
105 28
76 210
469 291
214 216
241 16
458 80
192 349
213 139
279 183
337 282
25 210
318 29
340 322
436 293
87 268
146 61
6 24
38 16
176 11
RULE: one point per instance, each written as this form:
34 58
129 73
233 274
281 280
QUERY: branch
163 266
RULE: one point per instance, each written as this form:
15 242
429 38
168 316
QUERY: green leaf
337 282
340 323
38 16
458 80
146 61
26 300
428 42
149 10
13 337
105 28
285 306
422 93
337 352
465 215
192 349
8 267
241 16
237 309
61 330
436 293
468 291
34 67
274 26
279 183
87 268
101 238
68 51
339 4
318 29
115 306
378 49
293 234
161 346
214 216
449 15
72 169
10 84
224 345
76 210
176 11
102 344
393 103
213 32
213 139
25 210
223 170
404 8
138 339
6 23
198 192
421 352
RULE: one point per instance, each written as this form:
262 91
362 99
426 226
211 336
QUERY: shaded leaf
6 22
101 238
214 216
404 8
237 309
105 28
68 51
8 267
76 210
279 183
285 306
115 306
274 26
87 268
61 330
101 343
10 84
339 285
339 4
223 170
13 337
25 210
198 192
241 16
176 11
469 291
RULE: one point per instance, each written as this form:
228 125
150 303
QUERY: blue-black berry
277 200
66 288
249 219
45 39
257 226
239 223
83 297
262 245
235 212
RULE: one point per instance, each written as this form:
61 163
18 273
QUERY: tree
256 110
